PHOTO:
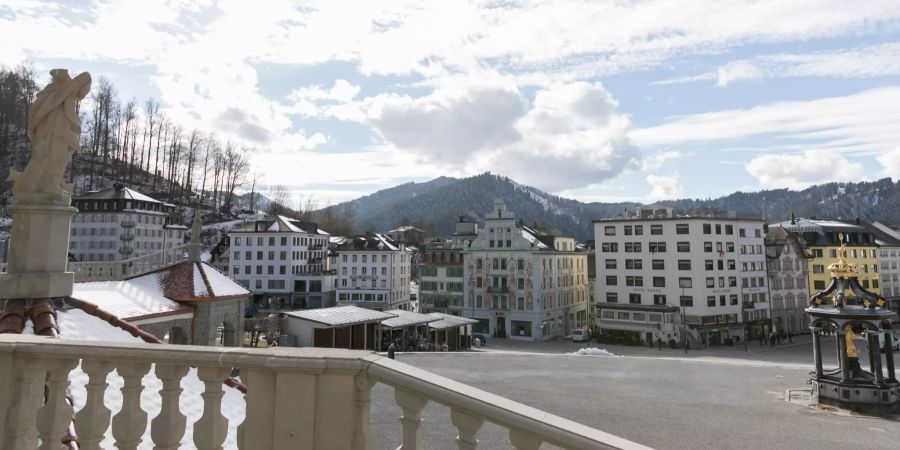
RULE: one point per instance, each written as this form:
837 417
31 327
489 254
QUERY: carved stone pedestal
38 252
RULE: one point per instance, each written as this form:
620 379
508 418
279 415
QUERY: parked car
482 339
580 335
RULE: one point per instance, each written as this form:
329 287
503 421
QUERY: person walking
391 350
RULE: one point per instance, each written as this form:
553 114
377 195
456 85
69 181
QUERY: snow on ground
590 351
78 325
223 226
205 256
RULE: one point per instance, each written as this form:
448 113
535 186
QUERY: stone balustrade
295 398
118 270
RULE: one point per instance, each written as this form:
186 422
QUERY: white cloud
664 188
659 159
859 123
891 162
858 62
798 171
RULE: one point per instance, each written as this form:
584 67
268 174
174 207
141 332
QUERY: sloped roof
113 194
405 228
407 318
131 300
449 321
341 315
191 281
370 241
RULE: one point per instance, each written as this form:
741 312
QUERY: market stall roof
407 318
449 321
340 315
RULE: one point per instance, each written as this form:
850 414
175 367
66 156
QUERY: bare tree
278 199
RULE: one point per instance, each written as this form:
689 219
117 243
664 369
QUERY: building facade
755 297
441 270
823 239
373 271
787 271
282 262
407 234
521 283
120 223
888 240
667 276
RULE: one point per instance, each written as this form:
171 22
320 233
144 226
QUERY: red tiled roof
178 283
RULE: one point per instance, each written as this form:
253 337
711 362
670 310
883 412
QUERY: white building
656 268
120 223
523 284
753 278
283 262
888 240
373 271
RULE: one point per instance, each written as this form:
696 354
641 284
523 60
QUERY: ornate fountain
861 315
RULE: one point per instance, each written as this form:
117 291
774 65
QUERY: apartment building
888 240
282 262
373 271
120 223
787 271
441 270
663 274
823 239
755 298
521 283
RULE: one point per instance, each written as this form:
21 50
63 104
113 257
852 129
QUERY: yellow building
823 239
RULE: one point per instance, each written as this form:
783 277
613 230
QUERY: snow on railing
118 270
296 398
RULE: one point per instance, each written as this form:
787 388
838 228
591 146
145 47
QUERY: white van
579 335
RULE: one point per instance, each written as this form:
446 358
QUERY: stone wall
159 329
210 315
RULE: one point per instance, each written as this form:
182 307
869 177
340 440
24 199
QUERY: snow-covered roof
340 315
405 228
191 281
370 242
113 193
407 318
449 321
129 299
532 237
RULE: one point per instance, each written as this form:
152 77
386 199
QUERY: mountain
436 204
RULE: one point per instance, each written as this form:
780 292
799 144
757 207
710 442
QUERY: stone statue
54 130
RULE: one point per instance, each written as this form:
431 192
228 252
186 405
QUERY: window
634 298
659 281
634 281
638 230
612 297
730 264
707 228
732 282
682 228
818 268
710 282
729 247
656 229
684 247
711 301
626 230
609 247
634 264
707 247
520 264
686 300
611 280
718 228
742 232
685 282
659 299
659 264
684 264
734 299
609 230
610 264
632 247
721 300
729 229
657 247
709 264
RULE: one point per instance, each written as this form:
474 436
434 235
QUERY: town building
120 223
521 283
441 282
888 240
755 296
823 239
668 276
407 234
787 271
373 271
283 262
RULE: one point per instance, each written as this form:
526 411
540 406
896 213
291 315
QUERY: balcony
127 224
314 247
498 289
295 398
126 237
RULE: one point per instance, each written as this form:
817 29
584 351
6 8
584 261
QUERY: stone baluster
21 425
363 439
212 428
93 419
468 426
412 406
167 428
256 430
54 418
523 440
129 425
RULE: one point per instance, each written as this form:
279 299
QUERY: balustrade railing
295 398
117 270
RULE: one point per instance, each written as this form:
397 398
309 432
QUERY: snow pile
590 351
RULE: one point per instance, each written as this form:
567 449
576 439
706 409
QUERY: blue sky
627 100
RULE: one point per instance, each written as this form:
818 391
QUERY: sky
592 100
